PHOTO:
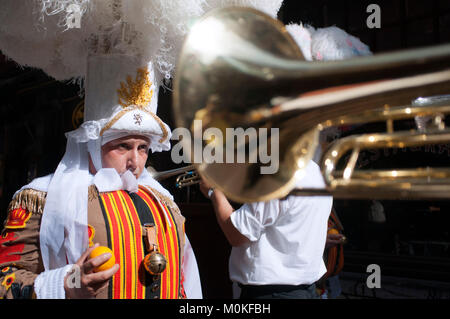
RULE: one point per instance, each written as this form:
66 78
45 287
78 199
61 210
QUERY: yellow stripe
122 259
167 272
135 252
135 249
112 234
175 264
132 248
170 243
131 242
177 252
173 250
172 284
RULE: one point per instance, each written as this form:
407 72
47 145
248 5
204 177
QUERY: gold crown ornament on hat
138 92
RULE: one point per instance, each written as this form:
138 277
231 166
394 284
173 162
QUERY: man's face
126 153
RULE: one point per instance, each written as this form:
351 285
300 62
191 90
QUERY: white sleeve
192 284
50 283
251 219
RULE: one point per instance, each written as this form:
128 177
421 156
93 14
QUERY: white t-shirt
287 237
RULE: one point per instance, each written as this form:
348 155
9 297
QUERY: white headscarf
63 231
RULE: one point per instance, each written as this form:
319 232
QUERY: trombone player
278 244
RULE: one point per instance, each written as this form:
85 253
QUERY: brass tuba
240 68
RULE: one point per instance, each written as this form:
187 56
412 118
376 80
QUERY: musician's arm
223 210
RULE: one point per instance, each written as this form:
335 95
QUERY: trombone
240 68
187 175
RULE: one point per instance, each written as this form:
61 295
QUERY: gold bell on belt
154 262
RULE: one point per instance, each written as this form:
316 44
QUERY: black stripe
145 216
144 213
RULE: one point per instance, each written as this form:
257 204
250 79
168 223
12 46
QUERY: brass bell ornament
155 262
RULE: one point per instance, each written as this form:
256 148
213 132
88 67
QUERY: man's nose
132 159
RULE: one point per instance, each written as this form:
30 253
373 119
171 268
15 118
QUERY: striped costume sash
124 215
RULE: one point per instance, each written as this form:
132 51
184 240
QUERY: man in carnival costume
101 192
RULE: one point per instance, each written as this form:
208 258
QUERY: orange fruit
333 231
336 232
107 264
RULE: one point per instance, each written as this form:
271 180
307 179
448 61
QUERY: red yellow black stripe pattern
124 214
169 244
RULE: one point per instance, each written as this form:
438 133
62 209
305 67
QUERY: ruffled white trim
108 180
50 283
89 130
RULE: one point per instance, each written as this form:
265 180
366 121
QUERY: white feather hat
115 45
326 44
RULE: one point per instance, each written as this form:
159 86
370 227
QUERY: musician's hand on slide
333 240
204 187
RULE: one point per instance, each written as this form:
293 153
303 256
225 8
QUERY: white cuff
50 284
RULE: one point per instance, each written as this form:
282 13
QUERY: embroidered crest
17 219
137 119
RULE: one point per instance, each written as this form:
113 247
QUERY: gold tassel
29 199
92 193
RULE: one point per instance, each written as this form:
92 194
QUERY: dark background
414 240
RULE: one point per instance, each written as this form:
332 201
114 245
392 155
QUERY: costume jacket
115 220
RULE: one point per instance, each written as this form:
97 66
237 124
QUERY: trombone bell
240 68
